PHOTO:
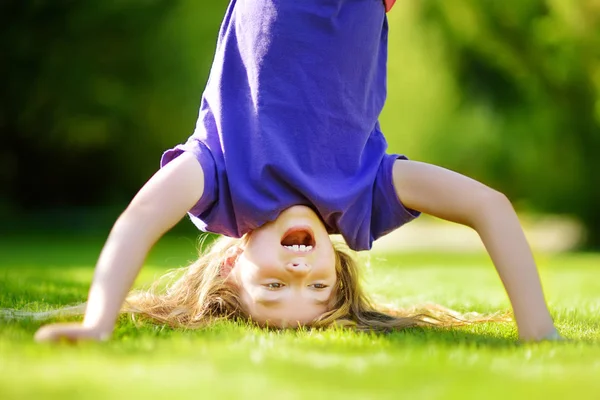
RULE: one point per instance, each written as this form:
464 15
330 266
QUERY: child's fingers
555 337
53 333
69 332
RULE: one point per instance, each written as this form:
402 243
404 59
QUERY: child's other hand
70 332
554 336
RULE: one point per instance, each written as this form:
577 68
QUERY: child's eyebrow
268 302
276 302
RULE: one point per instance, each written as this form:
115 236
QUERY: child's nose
299 267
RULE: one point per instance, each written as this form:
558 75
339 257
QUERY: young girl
287 150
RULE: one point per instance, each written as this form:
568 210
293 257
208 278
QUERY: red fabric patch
389 4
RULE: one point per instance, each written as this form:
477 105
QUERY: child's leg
454 197
157 207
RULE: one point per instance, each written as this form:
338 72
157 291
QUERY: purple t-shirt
290 116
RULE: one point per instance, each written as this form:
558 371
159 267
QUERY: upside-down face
286 270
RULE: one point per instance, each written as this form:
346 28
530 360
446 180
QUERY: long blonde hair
199 295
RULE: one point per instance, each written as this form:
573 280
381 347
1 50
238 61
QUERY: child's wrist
102 330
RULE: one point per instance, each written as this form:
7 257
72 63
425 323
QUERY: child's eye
319 285
274 285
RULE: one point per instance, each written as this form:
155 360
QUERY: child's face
286 272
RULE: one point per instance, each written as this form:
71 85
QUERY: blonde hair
199 295
193 296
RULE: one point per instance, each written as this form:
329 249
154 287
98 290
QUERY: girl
287 150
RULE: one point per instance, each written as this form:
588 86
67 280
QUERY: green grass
235 361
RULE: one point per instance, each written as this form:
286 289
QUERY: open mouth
299 239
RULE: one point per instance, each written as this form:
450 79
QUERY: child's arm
454 197
157 207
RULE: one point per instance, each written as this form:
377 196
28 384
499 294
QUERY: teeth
301 248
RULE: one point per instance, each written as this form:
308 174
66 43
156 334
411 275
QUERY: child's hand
554 336
71 332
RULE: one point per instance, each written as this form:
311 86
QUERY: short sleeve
388 211
207 162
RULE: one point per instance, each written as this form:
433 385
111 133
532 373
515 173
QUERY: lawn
236 361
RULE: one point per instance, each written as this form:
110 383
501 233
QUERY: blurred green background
94 91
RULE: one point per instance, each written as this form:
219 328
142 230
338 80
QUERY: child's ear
231 257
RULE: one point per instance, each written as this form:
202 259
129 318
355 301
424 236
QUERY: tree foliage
94 92
507 92
521 105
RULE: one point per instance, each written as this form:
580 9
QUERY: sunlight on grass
233 360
